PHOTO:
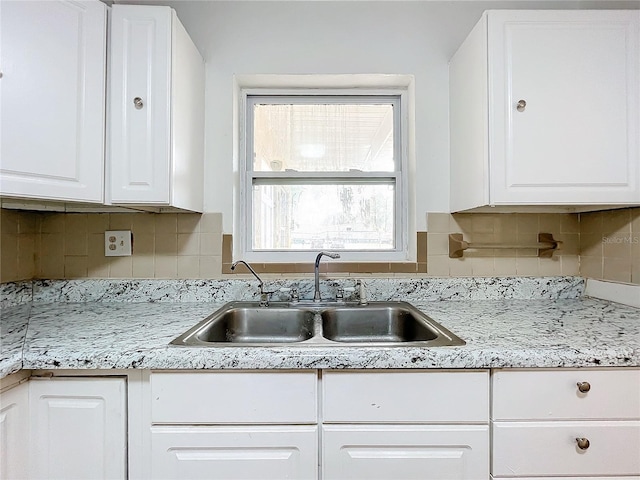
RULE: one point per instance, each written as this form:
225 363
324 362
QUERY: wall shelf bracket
546 245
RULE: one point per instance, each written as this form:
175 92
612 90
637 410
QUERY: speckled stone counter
13 331
565 331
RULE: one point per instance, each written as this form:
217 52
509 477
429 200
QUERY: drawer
234 397
634 477
405 397
554 394
227 453
550 448
384 452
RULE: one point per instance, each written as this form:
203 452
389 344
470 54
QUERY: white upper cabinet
545 110
52 99
156 110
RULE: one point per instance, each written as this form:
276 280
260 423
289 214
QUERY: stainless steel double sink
319 324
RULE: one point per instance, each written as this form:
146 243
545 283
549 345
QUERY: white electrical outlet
117 243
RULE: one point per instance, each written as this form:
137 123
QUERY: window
323 172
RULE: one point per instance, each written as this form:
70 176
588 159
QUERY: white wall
335 37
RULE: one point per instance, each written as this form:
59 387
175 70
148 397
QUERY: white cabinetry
545 110
52 99
78 428
14 437
405 425
156 110
580 423
234 425
375 425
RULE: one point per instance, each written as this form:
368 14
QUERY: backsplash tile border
352 268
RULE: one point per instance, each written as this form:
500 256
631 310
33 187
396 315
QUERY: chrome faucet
316 294
264 296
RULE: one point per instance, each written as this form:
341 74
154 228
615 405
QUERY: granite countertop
564 332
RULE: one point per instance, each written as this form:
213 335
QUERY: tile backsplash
610 245
71 245
501 228
19 245
604 245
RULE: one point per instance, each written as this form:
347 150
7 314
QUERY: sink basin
384 322
248 323
318 324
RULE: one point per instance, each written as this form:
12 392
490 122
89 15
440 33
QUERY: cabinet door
228 453
14 438
430 452
78 428
140 88
52 95
576 140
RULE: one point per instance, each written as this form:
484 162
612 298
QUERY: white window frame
250 96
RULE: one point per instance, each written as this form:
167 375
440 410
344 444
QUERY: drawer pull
584 387
583 443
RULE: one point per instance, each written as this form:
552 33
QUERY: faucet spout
316 293
264 296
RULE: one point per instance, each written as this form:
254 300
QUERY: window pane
312 217
332 137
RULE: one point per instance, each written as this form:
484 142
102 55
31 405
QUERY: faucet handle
340 294
363 292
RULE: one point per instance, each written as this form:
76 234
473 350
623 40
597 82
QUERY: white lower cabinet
14 437
262 425
329 425
234 452
78 428
569 423
239 425
405 425
424 452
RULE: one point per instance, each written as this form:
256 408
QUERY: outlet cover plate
117 243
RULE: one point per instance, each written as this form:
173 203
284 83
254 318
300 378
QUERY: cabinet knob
138 103
521 105
583 443
584 387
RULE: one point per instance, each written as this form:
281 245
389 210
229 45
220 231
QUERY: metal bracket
546 245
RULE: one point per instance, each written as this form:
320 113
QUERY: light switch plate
117 243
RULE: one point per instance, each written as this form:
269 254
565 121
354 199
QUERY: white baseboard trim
625 293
